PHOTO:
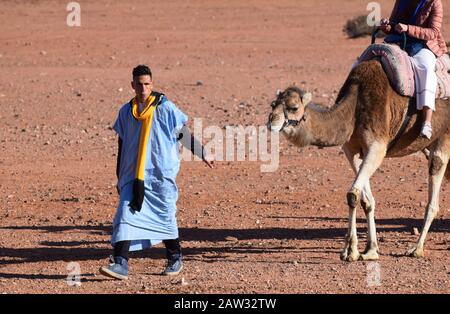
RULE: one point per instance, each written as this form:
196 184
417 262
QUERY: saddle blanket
399 69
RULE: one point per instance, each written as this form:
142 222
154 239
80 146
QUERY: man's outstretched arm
188 140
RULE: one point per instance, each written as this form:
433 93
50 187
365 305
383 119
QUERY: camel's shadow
385 224
90 250
50 251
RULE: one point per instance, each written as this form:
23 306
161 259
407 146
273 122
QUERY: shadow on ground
50 251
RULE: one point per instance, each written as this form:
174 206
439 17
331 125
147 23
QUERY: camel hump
399 69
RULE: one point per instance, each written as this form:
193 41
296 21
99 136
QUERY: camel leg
372 160
350 251
368 204
437 164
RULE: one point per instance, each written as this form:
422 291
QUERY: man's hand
401 28
208 160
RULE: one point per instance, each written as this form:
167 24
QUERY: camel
364 120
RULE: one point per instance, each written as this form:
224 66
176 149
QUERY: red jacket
429 25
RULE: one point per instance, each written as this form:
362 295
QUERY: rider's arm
434 26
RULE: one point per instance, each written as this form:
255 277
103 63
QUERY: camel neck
326 127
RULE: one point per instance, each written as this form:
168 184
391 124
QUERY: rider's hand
401 28
384 22
385 25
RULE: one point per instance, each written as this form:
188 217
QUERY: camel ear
279 91
306 98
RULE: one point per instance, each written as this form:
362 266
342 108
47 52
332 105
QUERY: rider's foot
427 131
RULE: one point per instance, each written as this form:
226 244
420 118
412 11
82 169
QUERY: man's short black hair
141 70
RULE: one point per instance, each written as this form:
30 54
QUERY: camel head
288 110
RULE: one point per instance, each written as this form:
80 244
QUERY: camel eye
293 109
273 104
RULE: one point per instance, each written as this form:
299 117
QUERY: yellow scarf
146 117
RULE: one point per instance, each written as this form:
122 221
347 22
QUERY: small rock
423 204
43 52
70 199
233 239
183 282
112 58
199 83
415 232
120 89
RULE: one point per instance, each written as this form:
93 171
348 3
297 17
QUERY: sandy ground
242 230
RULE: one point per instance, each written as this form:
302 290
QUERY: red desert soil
242 230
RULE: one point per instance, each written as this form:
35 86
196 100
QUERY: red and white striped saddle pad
398 67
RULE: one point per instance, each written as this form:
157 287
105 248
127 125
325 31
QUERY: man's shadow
80 251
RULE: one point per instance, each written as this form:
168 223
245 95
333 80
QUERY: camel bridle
291 122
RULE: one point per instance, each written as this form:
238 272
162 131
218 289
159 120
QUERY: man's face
142 86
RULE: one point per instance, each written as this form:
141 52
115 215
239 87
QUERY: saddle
399 69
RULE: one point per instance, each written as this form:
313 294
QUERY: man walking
149 128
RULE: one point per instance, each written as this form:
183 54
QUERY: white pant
424 66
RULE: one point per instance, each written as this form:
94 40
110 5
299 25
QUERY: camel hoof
416 252
370 256
351 256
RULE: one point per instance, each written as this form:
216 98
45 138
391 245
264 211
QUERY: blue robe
157 219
